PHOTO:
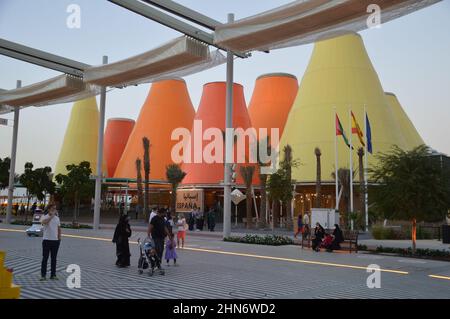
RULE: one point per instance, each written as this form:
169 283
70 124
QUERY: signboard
326 217
3 121
189 199
237 196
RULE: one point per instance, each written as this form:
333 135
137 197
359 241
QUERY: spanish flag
357 130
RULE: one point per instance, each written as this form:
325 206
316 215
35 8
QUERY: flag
368 135
357 130
340 131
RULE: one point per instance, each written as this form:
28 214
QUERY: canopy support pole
228 143
99 175
12 164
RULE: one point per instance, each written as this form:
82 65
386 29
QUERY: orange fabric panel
211 112
168 106
272 100
116 137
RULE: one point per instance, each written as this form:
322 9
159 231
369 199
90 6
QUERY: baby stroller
148 257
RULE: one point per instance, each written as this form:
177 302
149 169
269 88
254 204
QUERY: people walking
121 235
211 219
153 213
181 230
158 231
191 219
171 252
199 220
169 222
299 225
319 234
51 241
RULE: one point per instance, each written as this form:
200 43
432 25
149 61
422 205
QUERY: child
170 250
326 243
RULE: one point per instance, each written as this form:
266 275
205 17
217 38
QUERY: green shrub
272 240
380 232
444 254
76 226
22 222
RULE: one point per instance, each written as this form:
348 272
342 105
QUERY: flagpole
351 164
336 162
366 191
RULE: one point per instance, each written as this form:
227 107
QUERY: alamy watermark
249 146
73 21
374 19
74 279
374 279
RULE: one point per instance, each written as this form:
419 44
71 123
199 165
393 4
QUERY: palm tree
139 182
318 153
263 184
174 175
344 181
146 143
247 175
288 163
362 186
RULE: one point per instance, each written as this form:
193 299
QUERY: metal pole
12 164
336 164
99 175
351 164
366 191
228 143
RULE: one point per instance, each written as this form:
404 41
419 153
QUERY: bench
350 242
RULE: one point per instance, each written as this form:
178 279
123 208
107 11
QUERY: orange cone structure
117 132
272 100
168 106
211 113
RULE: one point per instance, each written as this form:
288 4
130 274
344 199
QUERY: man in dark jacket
158 231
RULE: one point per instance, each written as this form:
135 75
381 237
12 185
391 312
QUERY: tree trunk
75 208
413 235
28 208
276 213
288 214
263 204
173 201
248 204
318 182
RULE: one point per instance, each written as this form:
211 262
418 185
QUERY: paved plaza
211 268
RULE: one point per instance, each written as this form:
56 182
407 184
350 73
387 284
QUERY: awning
179 55
307 21
60 89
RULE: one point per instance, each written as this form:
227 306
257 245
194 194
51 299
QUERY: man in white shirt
153 214
51 241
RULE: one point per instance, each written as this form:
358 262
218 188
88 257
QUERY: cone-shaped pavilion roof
272 100
412 137
339 76
81 137
117 132
168 106
211 113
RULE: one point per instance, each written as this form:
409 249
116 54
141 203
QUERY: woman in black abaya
121 235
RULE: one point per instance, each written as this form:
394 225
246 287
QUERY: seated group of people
322 239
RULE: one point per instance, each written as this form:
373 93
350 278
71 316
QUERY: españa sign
189 199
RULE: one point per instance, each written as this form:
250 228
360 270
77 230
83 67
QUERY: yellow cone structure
80 140
412 137
7 289
339 76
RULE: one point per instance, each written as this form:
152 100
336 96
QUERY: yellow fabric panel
340 74
81 137
412 137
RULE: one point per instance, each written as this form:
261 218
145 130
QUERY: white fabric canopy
60 89
178 55
306 21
